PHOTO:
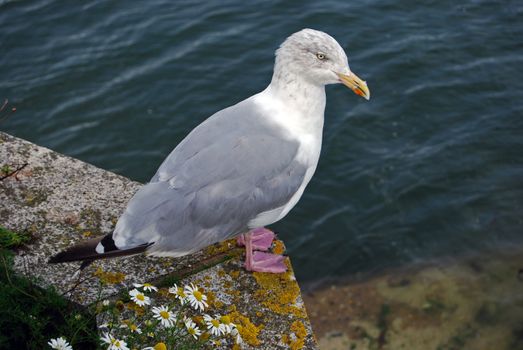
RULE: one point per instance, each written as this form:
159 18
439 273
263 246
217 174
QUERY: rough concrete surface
60 200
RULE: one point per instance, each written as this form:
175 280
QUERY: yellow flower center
164 314
197 295
215 323
191 331
117 343
140 297
225 319
133 328
160 346
145 285
180 292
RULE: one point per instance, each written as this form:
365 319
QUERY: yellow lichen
109 277
300 332
220 248
278 247
296 341
166 263
248 330
211 298
279 292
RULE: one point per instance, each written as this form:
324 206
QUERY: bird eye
320 56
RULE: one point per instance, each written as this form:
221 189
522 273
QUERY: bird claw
261 239
266 262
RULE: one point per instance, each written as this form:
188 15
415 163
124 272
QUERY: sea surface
431 167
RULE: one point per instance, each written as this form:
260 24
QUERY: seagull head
319 59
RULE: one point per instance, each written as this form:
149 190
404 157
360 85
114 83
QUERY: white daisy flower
227 324
139 298
178 293
106 302
114 344
214 325
236 334
165 316
196 298
60 344
146 286
158 346
192 329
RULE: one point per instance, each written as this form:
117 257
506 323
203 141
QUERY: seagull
243 168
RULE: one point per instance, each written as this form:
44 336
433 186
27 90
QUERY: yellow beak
354 83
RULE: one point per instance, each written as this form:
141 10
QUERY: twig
78 282
14 172
202 265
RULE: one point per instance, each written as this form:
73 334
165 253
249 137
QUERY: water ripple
424 168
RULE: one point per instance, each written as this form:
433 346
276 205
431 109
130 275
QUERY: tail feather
93 249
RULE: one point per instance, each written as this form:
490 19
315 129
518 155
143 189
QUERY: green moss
31 315
5 169
34 197
10 239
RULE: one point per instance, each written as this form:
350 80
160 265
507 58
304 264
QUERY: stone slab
60 200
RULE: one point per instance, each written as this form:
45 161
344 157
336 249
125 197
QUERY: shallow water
432 166
472 303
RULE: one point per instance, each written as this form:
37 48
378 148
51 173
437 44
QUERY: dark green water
431 166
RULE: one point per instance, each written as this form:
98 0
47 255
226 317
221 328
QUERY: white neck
299 95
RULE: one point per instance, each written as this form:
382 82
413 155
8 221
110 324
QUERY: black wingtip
86 251
57 258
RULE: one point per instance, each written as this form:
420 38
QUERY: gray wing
227 171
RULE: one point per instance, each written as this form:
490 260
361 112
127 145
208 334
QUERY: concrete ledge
60 200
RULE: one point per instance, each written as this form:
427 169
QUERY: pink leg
261 239
262 262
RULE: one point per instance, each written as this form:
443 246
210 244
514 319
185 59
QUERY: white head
317 58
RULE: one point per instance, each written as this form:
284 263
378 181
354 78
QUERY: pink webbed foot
266 262
261 239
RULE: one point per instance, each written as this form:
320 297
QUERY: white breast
306 128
